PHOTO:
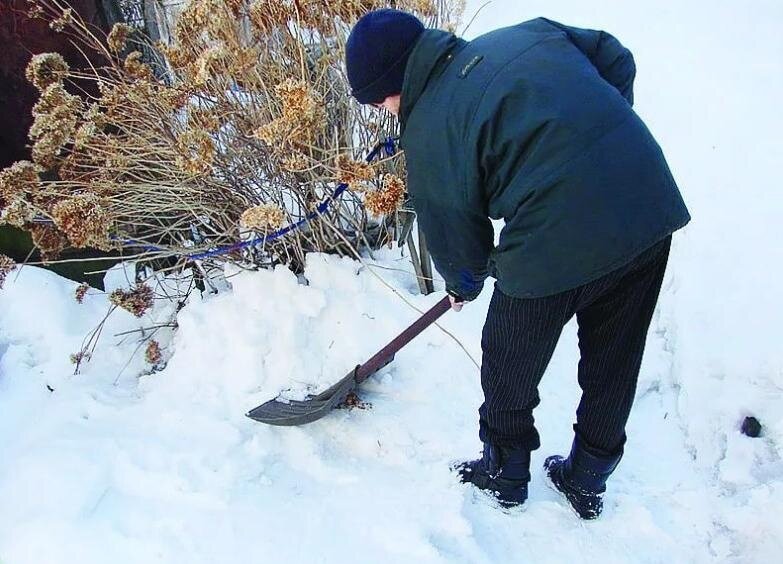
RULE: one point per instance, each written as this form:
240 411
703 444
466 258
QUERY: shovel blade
294 412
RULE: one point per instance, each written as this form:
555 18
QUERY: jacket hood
427 60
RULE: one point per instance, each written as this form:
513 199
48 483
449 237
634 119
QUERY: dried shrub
251 111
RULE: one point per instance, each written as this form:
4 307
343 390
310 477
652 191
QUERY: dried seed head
196 152
214 61
136 68
6 266
263 217
136 301
389 198
17 213
79 357
65 19
295 162
178 56
153 354
303 116
81 291
118 36
49 240
268 15
273 133
300 102
84 220
35 11
202 118
55 116
353 172
206 18
46 69
21 178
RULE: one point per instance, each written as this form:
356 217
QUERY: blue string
388 146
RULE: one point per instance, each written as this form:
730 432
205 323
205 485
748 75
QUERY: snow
117 464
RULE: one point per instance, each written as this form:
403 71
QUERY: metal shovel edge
281 412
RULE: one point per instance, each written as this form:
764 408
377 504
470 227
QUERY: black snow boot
501 471
581 478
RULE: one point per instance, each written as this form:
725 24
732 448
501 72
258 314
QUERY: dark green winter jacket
531 124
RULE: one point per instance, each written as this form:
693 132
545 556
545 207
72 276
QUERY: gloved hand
456 302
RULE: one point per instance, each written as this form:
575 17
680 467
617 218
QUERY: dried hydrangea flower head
263 217
136 68
79 357
6 266
268 15
353 173
46 69
55 117
213 61
49 240
84 220
80 292
118 37
389 198
19 179
196 151
17 213
153 354
65 19
136 301
296 161
302 116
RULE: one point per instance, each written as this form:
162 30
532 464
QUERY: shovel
289 413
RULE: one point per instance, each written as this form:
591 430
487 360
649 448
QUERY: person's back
521 123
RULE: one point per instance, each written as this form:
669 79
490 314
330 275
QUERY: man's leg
613 314
518 340
612 335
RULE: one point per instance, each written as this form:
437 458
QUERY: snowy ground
112 467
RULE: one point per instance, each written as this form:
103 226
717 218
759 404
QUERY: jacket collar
428 59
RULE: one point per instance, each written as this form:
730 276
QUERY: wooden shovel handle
384 355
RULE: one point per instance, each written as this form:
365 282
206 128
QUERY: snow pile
117 464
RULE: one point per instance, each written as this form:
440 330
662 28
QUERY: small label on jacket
470 66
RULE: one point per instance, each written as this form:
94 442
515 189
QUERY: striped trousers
519 337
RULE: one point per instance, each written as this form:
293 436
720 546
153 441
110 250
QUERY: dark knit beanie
377 52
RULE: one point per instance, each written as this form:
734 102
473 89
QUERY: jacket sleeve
614 62
460 241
